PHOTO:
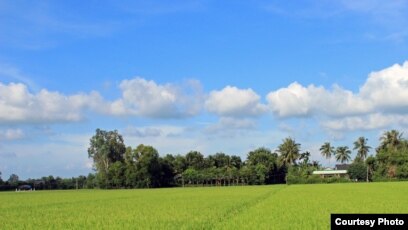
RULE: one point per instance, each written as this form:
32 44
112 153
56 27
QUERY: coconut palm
362 148
327 150
289 151
305 157
390 139
343 154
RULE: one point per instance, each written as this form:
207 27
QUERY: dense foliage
118 166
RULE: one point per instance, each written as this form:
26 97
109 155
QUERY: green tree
261 173
370 163
13 180
130 168
195 160
106 148
357 171
167 172
236 161
289 151
179 164
247 174
148 168
268 160
390 139
343 154
117 174
304 157
327 150
362 148
190 175
261 156
220 160
91 181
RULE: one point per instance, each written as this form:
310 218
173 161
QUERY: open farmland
249 207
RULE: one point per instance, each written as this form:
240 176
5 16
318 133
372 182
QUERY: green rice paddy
246 207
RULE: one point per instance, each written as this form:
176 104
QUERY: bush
358 170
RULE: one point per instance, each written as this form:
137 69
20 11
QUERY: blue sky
211 76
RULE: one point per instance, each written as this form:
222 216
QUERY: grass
252 207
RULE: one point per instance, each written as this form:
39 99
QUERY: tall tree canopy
362 148
343 154
195 160
390 139
106 148
148 167
327 150
289 151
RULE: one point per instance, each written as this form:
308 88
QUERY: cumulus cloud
381 101
234 102
18 104
140 97
297 100
149 99
388 88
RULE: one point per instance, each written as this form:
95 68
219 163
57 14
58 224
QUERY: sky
211 76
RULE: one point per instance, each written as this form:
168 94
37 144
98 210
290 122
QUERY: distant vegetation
120 166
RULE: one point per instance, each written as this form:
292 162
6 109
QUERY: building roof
330 172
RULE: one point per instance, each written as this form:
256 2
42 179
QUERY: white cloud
11 134
139 98
149 99
381 101
366 122
154 132
388 88
142 132
297 100
17 104
234 102
37 159
228 124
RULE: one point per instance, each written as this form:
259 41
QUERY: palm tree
362 148
289 151
390 139
343 154
305 157
327 150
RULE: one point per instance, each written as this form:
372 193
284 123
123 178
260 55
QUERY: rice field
248 207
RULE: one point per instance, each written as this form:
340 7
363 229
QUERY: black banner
369 221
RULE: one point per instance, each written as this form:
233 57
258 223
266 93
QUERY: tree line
119 166
46 183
